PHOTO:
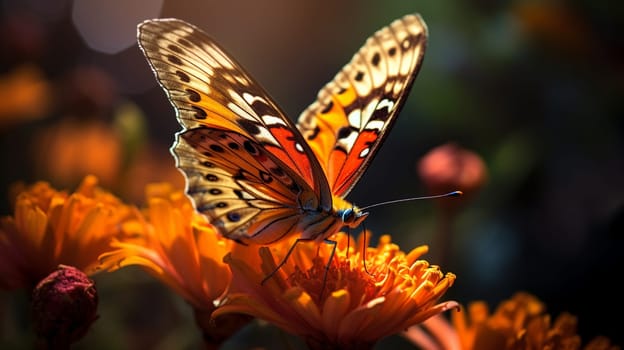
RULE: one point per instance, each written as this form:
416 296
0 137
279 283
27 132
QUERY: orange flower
25 95
500 330
51 228
517 324
79 147
347 307
176 245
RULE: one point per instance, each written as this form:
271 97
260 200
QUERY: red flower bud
449 168
64 305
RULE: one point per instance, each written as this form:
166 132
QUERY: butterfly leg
364 251
279 266
292 248
331 256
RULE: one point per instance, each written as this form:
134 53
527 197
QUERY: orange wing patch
352 114
346 164
346 97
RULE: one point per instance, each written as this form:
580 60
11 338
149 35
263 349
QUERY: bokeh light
110 26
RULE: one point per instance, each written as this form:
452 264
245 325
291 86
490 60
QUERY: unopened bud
64 305
449 167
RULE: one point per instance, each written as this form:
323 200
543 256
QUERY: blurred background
534 88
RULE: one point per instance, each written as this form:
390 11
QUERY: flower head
449 167
480 330
340 304
176 244
50 228
519 323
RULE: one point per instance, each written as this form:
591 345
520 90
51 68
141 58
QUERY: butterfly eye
347 215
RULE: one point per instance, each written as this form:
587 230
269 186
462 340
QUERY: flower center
321 279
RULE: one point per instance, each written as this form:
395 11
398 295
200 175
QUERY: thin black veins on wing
271 223
219 87
231 167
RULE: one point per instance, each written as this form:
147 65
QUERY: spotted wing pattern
352 114
245 162
256 175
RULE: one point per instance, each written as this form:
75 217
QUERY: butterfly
255 174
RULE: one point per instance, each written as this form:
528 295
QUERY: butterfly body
257 176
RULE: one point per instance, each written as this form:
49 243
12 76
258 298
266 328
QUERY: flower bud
449 167
64 305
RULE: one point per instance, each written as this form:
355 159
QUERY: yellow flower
341 304
519 323
50 227
175 244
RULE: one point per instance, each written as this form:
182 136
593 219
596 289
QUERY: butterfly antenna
450 194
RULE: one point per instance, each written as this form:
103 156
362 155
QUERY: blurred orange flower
501 330
349 307
519 323
175 244
52 227
25 95
79 147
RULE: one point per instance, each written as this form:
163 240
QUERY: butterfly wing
247 167
352 114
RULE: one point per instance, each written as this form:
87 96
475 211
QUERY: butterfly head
352 217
